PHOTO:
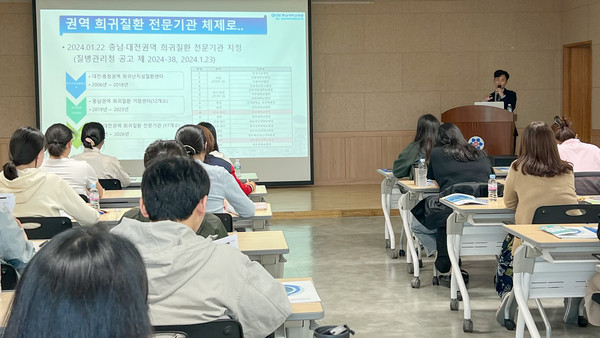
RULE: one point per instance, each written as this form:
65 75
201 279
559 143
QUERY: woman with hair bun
38 193
105 166
583 156
78 174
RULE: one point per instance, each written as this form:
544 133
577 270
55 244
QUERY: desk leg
454 230
522 269
386 198
412 258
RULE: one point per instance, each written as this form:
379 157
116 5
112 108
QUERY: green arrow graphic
76 111
76 135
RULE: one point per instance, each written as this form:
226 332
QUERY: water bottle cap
492 176
93 185
422 160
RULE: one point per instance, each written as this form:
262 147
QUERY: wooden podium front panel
495 126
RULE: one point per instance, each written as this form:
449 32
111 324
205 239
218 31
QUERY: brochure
569 232
461 199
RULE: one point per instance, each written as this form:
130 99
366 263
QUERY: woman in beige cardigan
537 178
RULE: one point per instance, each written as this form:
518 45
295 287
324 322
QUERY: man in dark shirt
502 94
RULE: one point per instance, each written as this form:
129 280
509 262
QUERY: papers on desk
7 201
461 199
231 240
260 205
301 292
569 232
592 199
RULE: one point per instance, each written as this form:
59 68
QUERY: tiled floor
363 287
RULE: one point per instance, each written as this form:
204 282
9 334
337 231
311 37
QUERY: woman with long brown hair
536 178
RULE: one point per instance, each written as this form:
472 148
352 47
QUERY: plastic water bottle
492 188
422 174
509 108
238 168
94 197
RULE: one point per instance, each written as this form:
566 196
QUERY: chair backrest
587 183
45 227
227 221
10 276
502 160
222 328
567 213
110 184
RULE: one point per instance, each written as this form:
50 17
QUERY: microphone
497 95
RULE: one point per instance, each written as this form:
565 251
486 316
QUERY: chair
110 184
558 214
222 328
10 276
502 160
48 226
227 220
587 183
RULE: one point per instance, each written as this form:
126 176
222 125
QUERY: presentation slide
145 72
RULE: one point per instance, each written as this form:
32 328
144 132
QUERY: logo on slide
76 111
76 87
292 289
477 142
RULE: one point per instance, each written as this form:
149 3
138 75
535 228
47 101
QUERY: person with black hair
216 152
78 174
211 225
420 147
193 280
38 193
223 186
501 93
105 166
85 282
211 159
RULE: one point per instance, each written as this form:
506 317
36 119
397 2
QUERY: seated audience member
85 282
216 152
36 192
452 161
193 280
78 174
536 178
211 225
222 185
583 156
420 147
249 187
105 166
15 249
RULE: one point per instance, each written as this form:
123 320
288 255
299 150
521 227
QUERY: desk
547 267
298 324
265 247
390 193
135 182
245 177
259 221
473 230
259 194
405 203
5 300
126 198
501 171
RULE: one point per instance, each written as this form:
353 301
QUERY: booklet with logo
461 199
569 232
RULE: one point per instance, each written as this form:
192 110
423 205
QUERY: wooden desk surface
261 190
410 185
312 310
531 233
113 215
258 214
388 173
244 177
501 171
262 242
5 300
120 194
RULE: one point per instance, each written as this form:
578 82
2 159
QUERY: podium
494 125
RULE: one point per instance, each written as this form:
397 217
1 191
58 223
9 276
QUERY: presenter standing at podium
502 94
